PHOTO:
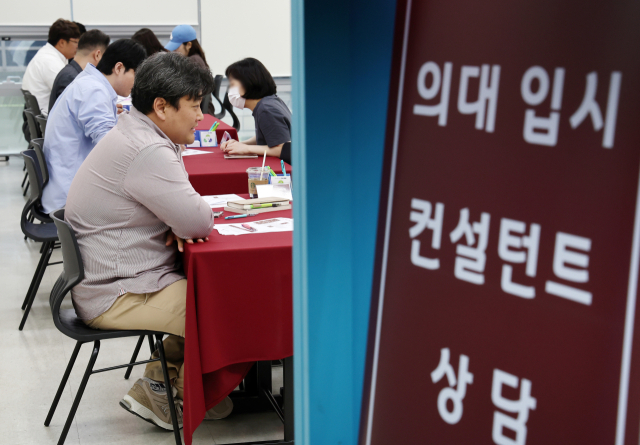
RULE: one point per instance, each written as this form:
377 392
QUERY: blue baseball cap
180 34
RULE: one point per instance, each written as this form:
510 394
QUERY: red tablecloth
209 120
214 175
239 311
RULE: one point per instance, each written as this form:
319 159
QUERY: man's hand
171 237
119 108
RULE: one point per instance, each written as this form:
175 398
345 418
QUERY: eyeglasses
76 41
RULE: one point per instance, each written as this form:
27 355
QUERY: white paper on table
274 191
216 201
270 225
191 152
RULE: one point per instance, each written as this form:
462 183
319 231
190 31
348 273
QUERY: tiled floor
35 359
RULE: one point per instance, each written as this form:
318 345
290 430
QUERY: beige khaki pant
162 311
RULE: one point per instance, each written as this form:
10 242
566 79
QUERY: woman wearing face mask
251 86
184 41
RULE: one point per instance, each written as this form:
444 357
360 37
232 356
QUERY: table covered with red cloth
212 174
208 121
239 311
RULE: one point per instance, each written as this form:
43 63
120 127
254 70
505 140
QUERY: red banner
505 307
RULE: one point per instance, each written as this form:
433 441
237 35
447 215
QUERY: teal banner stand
341 69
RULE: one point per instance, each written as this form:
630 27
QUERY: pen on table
249 228
241 228
271 172
284 172
214 126
240 216
262 206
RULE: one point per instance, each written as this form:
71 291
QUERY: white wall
230 29
235 29
33 12
136 12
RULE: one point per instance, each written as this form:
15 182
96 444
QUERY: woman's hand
225 146
171 237
235 148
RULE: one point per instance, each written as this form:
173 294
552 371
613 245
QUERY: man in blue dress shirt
83 114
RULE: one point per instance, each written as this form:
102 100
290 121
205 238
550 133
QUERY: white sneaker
148 400
220 411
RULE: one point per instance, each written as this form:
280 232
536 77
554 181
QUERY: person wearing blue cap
184 41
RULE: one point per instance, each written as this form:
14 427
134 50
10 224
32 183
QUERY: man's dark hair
170 76
81 27
62 30
90 40
254 77
127 51
148 39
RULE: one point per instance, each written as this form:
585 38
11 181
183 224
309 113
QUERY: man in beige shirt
129 201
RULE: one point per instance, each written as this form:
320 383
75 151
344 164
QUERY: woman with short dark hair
251 86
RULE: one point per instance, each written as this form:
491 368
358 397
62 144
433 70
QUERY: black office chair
31 102
217 82
43 173
227 105
70 325
285 154
42 123
25 180
34 133
38 146
34 130
44 233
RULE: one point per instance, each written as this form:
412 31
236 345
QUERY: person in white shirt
61 46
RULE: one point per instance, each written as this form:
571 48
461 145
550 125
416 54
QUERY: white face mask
235 98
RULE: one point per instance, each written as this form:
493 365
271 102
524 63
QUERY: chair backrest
31 101
217 81
35 187
38 146
34 174
285 153
42 123
205 104
73 269
227 105
34 131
